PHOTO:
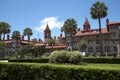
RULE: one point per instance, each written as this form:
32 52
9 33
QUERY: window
113 34
97 49
107 49
97 42
97 36
106 41
90 49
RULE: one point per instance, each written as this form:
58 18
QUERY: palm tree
5 28
0 32
15 34
98 11
69 27
28 32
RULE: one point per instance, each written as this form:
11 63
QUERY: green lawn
87 65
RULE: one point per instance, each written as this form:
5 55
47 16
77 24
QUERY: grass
86 65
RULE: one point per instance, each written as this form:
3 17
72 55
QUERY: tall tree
28 32
98 11
69 27
4 29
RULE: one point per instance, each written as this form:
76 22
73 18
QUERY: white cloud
53 22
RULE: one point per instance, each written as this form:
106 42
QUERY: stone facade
110 38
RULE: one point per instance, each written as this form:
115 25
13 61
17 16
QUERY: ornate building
12 45
110 38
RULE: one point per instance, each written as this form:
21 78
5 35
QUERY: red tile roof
113 23
95 31
55 47
38 44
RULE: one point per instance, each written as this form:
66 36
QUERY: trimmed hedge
17 71
102 60
40 60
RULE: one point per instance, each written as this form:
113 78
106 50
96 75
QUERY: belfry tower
47 34
86 25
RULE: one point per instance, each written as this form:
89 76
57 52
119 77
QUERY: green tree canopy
39 50
2 45
15 34
70 26
98 10
51 42
82 45
4 29
28 32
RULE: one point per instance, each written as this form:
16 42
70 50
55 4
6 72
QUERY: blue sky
35 14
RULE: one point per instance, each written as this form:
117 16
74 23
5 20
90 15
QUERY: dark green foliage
2 44
98 10
17 71
73 57
41 60
15 34
102 60
39 51
82 45
70 26
25 49
51 42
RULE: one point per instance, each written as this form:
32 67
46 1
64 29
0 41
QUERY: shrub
59 57
17 71
102 60
73 57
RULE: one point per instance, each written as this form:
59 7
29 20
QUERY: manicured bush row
17 71
102 60
40 60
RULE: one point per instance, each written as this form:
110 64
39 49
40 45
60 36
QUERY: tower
86 25
47 34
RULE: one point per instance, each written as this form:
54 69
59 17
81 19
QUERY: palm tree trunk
101 42
119 42
28 38
3 36
0 36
